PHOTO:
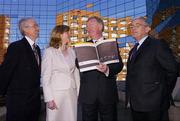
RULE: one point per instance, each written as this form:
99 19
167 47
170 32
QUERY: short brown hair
55 39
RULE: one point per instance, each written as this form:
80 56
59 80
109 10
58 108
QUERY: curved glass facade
45 11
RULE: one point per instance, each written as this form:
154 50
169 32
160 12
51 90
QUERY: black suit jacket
96 86
20 81
151 76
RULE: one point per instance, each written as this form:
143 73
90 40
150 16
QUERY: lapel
30 54
140 49
64 62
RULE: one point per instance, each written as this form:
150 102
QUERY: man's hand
102 68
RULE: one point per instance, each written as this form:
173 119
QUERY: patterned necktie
36 53
133 54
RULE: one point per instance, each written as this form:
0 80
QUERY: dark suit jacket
96 86
20 81
151 76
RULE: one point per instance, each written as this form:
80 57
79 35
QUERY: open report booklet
89 55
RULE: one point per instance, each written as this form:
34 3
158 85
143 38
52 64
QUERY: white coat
60 79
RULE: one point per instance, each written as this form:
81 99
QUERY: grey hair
143 19
99 20
23 24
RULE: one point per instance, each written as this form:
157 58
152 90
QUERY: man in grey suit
151 75
20 75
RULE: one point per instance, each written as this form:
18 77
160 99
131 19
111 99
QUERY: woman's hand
52 105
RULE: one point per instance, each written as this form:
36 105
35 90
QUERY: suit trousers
150 116
107 112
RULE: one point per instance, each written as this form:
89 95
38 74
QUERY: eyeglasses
137 26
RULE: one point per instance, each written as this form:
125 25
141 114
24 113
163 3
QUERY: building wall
166 13
76 19
45 11
4 35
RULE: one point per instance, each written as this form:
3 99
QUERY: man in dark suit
20 75
151 75
98 91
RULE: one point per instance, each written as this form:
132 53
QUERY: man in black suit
20 75
151 75
98 90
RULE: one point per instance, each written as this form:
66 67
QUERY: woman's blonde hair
55 39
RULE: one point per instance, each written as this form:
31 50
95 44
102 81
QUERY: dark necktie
36 53
133 54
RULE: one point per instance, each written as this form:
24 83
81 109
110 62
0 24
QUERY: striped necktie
36 53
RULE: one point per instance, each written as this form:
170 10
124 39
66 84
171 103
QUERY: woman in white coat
60 77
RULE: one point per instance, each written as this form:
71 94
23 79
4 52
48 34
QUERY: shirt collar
141 41
30 41
100 39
